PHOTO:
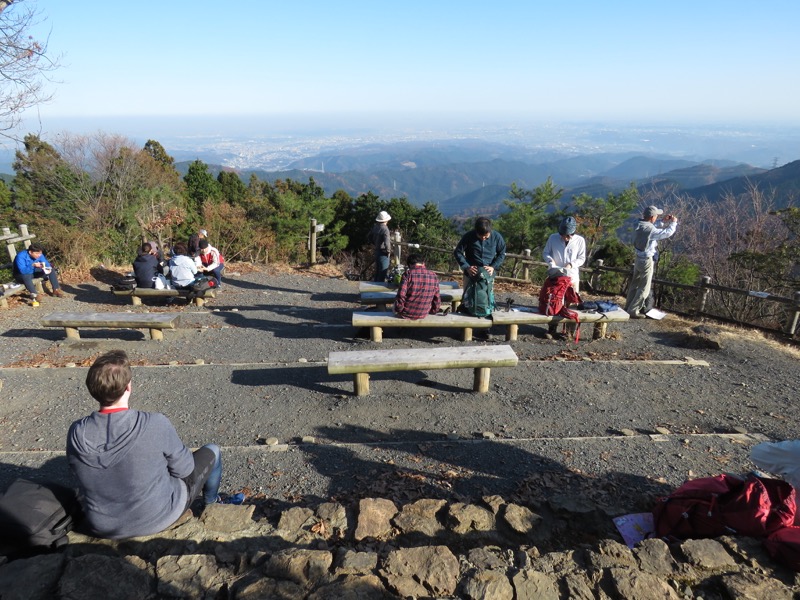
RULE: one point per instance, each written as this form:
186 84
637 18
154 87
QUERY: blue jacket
473 251
23 263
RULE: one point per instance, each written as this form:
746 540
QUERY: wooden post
792 325
12 250
72 333
23 232
512 332
312 246
156 334
599 331
701 307
376 334
526 271
396 247
467 337
136 300
594 279
361 383
481 383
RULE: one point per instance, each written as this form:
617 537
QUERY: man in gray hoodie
135 475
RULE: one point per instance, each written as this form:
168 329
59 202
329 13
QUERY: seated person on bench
146 267
418 295
209 261
32 264
182 268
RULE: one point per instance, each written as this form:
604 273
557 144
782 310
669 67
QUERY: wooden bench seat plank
453 296
412 359
383 286
513 319
137 294
481 359
377 321
72 321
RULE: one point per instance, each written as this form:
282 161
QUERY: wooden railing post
526 271
701 306
312 242
594 278
396 246
23 232
793 321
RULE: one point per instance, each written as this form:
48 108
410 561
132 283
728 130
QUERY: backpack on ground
202 284
555 297
125 284
784 546
725 505
478 298
37 515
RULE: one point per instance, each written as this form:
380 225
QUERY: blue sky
681 60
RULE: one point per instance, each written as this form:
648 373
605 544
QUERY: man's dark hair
147 248
483 225
203 244
35 248
414 259
108 377
180 248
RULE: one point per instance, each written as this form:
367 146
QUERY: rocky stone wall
376 549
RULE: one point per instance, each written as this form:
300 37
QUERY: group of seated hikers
151 270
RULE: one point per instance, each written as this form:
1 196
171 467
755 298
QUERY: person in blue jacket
32 264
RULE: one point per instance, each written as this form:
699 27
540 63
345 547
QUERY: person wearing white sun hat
381 240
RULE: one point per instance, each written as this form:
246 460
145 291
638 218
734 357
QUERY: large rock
467 518
32 578
420 518
520 519
707 554
98 577
350 562
375 518
228 518
632 584
750 586
194 576
308 568
534 585
365 587
654 557
264 587
610 554
334 516
426 571
487 585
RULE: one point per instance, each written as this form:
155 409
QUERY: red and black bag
555 297
784 546
714 506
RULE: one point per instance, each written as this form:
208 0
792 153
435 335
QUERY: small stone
234 310
741 430
452 436
199 361
279 448
44 366
308 439
173 363
663 430
70 365
627 432
488 435
302 360
271 441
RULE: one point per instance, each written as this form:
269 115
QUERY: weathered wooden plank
387 297
422 359
112 320
388 319
501 317
152 292
382 286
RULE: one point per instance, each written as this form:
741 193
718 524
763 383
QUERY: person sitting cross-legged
418 295
209 261
135 476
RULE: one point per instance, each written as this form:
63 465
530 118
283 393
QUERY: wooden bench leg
198 301
511 333
376 334
72 333
136 300
3 302
156 334
481 384
467 337
361 383
599 331
454 306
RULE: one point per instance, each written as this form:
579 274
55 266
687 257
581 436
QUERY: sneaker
58 293
34 303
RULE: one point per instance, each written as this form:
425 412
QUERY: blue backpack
478 298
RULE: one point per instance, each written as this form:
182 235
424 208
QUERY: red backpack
555 296
714 506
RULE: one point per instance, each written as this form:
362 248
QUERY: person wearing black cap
645 242
209 261
566 249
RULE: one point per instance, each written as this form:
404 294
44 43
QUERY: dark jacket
475 252
145 268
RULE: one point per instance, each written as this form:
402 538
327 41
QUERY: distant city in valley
272 144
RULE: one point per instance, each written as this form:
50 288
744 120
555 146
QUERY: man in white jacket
566 249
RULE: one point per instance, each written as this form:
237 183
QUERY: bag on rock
33 514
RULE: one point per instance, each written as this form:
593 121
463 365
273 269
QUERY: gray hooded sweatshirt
130 466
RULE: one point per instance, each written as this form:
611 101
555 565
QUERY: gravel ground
552 426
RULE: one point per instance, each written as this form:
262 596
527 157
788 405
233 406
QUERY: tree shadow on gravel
579 505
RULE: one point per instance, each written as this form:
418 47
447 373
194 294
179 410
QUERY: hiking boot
34 303
58 293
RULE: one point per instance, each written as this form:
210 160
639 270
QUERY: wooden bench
385 286
513 319
137 294
20 289
363 362
383 299
377 321
152 321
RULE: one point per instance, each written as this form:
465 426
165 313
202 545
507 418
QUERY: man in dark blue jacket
480 247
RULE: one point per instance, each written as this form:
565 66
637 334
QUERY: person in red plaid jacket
418 295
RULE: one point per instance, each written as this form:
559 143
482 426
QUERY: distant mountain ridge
467 177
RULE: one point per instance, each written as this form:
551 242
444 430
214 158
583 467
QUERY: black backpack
37 515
